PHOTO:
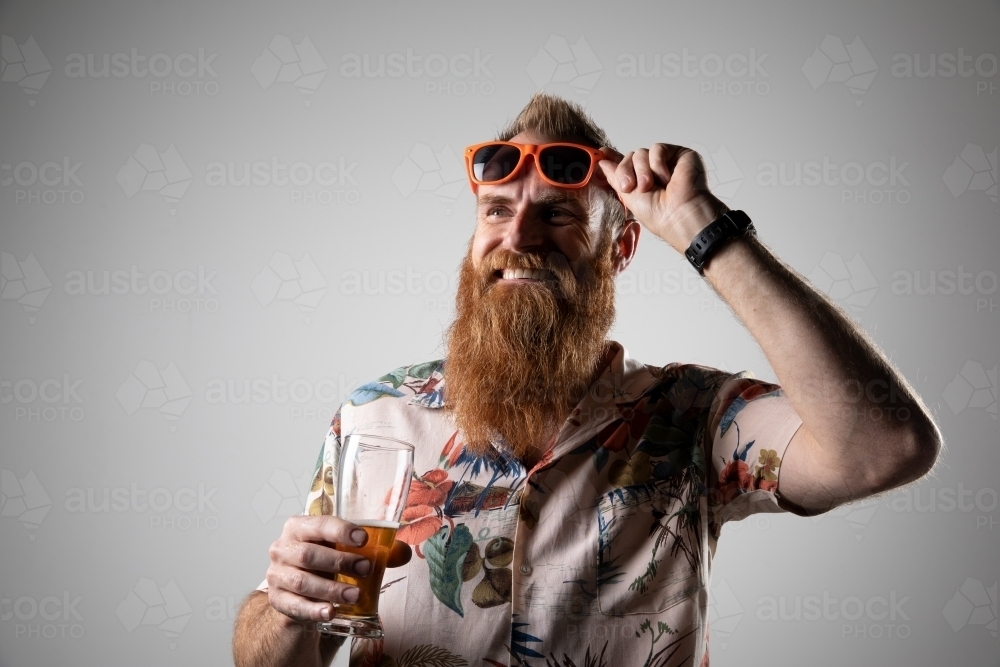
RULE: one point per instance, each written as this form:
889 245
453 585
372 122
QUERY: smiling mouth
526 274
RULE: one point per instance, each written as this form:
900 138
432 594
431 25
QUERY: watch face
740 219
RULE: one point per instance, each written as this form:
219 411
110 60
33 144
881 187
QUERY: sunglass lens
492 163
565 164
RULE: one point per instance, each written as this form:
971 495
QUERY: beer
373 481
381 535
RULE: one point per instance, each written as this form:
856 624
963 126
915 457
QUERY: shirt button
525 569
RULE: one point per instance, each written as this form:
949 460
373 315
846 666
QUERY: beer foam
373 523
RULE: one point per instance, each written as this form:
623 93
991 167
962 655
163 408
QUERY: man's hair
563 120
559 119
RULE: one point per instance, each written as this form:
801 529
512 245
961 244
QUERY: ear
626 245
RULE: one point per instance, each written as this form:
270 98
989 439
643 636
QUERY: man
567 500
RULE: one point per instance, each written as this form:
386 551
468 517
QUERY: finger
320 558
299 608
625 174
607 169
672 153
325 529
309 585
680 157
643 174
399 555
612 154
658 155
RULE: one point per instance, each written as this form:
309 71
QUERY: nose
526 232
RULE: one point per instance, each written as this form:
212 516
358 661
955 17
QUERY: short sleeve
750 427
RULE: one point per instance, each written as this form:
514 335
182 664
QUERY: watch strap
731 224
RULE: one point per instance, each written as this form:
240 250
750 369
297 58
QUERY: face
534 304
528 216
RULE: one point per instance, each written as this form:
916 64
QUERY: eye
495 212
558 216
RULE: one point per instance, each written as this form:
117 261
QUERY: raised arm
849 445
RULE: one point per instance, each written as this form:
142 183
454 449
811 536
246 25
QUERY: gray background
140 393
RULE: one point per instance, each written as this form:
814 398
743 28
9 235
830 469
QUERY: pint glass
373 480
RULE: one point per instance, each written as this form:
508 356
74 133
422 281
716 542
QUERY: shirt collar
622 380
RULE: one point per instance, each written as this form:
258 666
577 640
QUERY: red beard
520 356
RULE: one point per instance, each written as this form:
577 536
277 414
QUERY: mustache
501 259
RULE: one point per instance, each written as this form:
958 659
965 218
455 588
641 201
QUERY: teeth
527 274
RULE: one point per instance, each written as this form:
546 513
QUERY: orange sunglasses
563 165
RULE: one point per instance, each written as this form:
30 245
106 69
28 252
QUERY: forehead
534 137
530 137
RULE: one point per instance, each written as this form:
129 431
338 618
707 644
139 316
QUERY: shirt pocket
648 549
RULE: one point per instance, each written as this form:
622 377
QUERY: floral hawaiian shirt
598 555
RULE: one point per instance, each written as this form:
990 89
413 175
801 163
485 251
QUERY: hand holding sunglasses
666 187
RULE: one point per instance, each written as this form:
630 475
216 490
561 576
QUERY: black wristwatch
732 224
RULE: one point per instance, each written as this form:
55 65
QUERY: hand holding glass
373 481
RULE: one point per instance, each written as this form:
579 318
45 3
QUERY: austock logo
307 399
457 74
724 175
850 283
973 604
326 182
944 282
51 182
162 606
731 74
974 170
162 389
23 64
148 170
285 279
426 170
300 64
184 508
24 282
281 495
876 182
59 398
857 515
182 75
836 62
947 65
724 613
875 617
924 498
24 499
974 387
48 617
183 291
558 64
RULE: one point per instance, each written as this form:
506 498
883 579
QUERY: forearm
848 395
264 637
850 445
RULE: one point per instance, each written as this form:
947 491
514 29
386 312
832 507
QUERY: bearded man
566 499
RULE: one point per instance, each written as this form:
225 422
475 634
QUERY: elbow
917 452
928 444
